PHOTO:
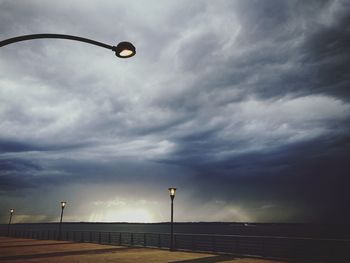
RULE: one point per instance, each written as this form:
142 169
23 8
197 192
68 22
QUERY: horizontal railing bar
214 235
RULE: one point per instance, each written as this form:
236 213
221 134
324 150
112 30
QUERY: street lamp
122 50
172 191
63 205
9 225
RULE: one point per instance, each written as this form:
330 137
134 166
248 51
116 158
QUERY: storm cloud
243 105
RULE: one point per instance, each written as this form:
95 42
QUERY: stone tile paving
15 250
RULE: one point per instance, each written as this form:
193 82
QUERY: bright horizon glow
129 215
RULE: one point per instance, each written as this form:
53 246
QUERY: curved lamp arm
122 50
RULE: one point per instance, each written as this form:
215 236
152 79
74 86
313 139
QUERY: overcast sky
244 106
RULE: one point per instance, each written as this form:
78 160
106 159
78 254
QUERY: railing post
99 237
175 242
262 247
213 243
144 239
159 241
132 239
74 236
120 238
82 236
90 236
109 238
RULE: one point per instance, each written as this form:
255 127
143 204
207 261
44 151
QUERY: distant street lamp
9 225
172 196
122 50
63 205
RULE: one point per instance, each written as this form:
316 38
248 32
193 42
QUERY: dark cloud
16 174
326 55
313 175
9 146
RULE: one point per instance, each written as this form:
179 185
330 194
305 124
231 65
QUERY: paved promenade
28 250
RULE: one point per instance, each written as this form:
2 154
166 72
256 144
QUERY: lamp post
172 191
9 225
122 50
63 205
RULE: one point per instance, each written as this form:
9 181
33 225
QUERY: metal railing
251 246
